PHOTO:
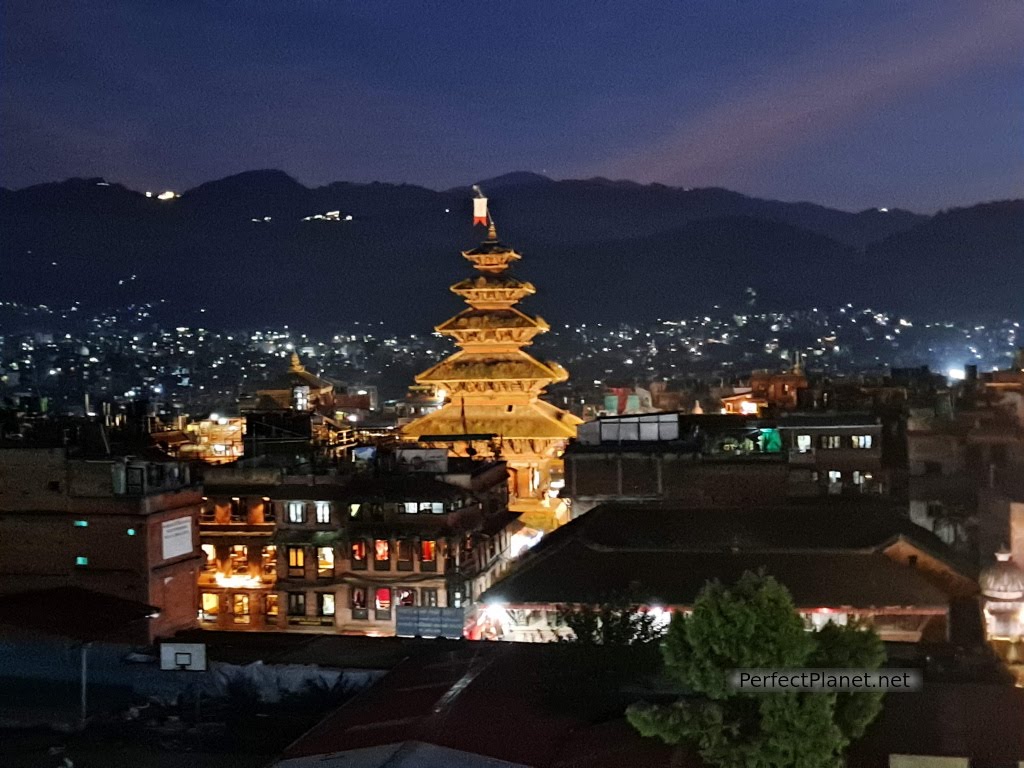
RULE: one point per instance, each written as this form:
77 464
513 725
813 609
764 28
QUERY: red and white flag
479 211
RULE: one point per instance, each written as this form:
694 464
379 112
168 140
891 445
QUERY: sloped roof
74 613
537 420
665 554
514 365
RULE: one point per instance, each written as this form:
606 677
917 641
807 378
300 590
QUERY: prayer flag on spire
479 208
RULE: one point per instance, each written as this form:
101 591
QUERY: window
382 602
428 597
428 555
358 555
81 523
237 510
359 610
835 481
492 548
239 559
296 512
209 603
300 398
240 609
861 441
405 550
268 558
135 479
324 562
296 603
207 512
353 510
405 596
296 561
270 605
803 443
269 514
831 441
411 507
325 604
210 563
323 512
381 555
81 560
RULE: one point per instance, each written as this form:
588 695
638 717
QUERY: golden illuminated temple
492 388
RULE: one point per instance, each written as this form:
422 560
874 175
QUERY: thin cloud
800 104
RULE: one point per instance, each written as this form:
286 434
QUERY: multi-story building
723 460
119 525
343 552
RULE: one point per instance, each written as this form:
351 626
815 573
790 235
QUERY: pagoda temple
492 388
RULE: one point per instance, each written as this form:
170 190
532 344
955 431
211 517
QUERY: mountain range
249 250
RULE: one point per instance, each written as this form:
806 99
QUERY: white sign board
423 459
190 656
176 537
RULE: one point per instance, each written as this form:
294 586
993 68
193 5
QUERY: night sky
851 104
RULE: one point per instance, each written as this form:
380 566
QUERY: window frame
293 507
296 561
320 507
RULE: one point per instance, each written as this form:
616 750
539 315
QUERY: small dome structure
1002 580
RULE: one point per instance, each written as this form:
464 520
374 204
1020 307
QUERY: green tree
613 644
753 624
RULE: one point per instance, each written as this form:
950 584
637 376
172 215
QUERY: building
345 552
723 460
117 525
839 561
493 388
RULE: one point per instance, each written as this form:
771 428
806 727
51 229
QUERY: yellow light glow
237 581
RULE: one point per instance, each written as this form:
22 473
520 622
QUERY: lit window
81 523
240 609
411 507
270 605
296 512
831 441
296 561
437 508
210 564
358 550
428 555
323 512
324 562
239 559
429 597
210 606
861 441
353 510
81 560
381 549
268 558
405 596
382 599
359 598
803 443
131 531
325 603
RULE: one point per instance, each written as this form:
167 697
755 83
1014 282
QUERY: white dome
1002 580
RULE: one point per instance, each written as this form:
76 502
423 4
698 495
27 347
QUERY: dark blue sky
852 104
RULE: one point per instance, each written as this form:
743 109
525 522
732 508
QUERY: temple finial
296 364
492 232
